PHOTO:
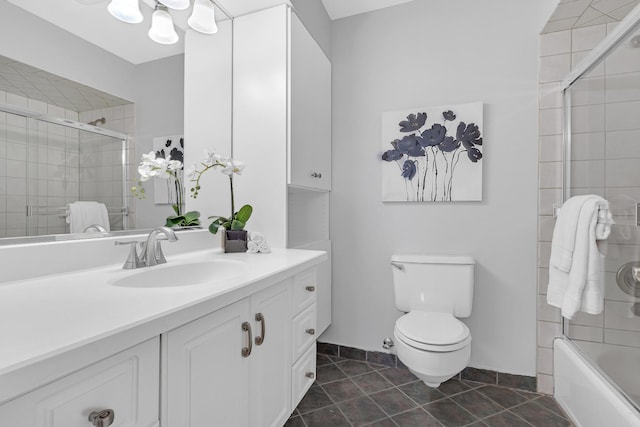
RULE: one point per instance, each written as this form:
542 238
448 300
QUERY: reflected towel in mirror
86 213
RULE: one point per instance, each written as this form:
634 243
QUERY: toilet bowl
433 291
434 346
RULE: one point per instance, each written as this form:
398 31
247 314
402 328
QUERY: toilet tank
436 283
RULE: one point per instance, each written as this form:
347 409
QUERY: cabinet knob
102 418
310 375
311 288
316 175
311 331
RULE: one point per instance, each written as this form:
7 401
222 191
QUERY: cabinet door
310 140
126 383
207 377
271 360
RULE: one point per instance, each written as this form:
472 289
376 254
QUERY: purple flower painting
432 154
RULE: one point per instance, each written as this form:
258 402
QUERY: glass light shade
203 18
162 30
125 10
176 4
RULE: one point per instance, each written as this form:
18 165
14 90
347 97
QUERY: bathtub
586 394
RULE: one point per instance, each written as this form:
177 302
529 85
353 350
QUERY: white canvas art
167 147
432 154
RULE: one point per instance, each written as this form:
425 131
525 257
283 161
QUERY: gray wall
429 54
159 98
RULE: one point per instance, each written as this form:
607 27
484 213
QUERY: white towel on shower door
84 214
582 286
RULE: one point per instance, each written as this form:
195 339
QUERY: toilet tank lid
432 259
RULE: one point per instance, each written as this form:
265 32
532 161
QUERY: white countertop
45 317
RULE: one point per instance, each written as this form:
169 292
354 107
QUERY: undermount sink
183 274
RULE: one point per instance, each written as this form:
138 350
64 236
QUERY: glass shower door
603 157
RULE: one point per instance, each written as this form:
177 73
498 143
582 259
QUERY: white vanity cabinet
219 372
126 383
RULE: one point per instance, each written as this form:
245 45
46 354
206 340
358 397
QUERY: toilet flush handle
398 266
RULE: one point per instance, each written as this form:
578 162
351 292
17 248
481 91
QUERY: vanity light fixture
125 10
202 18
176 4
162 30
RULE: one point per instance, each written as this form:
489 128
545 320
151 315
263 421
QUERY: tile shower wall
42 158
101 162
604 161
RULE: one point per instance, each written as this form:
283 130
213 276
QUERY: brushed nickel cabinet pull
102 418
260 318
311 288
246 351
311 331
310 375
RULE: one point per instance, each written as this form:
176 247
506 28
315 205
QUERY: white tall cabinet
282 131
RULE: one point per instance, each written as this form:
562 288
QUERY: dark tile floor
355 393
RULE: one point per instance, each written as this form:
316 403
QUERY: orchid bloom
233 167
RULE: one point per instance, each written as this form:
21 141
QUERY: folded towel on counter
581 285
257 243
84 214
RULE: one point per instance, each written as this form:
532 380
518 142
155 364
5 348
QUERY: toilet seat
438 332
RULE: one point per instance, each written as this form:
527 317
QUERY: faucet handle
133 261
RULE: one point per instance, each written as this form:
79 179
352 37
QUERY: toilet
433 291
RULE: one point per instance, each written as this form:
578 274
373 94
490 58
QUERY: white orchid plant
237 220
154 166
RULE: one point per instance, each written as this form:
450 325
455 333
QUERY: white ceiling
342 8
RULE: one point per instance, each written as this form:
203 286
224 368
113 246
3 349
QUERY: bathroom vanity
206 339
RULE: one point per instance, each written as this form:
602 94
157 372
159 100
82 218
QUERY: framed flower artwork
432 154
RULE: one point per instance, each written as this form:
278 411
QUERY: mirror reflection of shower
53 159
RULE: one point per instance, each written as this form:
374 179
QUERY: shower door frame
124 138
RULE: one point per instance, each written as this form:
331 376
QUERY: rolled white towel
257 243
257 237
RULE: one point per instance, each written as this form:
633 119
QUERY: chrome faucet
151 249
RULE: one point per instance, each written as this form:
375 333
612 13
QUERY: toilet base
433 368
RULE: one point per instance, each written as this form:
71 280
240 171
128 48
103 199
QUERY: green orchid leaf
244 214
192 216
226 225
174 221
175 209
237 225
213 227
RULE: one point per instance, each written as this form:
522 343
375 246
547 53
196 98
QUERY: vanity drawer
127 383
303 374
305 289
304 330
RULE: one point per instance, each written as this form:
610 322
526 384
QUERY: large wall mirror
76 116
